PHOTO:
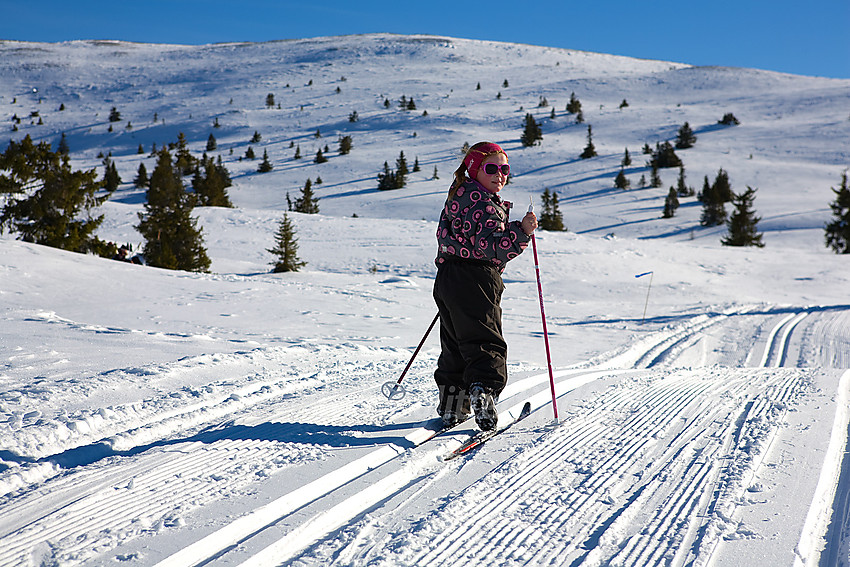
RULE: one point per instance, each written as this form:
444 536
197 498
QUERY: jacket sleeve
485 225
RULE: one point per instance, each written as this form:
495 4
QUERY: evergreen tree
63 145
589 150
681 187
551 217
111 179
114 115
270 100
742 223
255 139
574 106
265 166
46 202
297 152
685 138
665 156
728 120
249 153
671 203
185 162
713 206
211 143
654 177
401 171
532 133
172 238
307 203
621 181
210 184
837 232
387 179
345 145
627 159
320 158
721 187
286 248
141 179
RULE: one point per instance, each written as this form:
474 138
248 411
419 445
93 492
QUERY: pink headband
474 157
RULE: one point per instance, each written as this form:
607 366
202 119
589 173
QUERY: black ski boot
454 405
483 405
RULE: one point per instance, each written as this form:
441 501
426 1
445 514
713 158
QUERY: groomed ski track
661 452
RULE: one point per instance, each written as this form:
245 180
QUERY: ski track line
103 509
203 465
273 554
819 519
255 521
584 512
582 443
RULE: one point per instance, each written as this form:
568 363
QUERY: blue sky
808 38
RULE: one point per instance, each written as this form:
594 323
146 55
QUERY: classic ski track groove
593 500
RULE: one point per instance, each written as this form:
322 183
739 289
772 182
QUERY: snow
150 417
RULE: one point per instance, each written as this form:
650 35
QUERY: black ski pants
468 296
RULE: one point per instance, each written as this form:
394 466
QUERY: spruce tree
345 145
532 133
837 232
713 204
141 179
265 166
574 106
172 238
320 158
111 179
286 248
671 203
685 138
551 217
46 202
387 179
589 150
184 160
621 181
308 203
742 223
681 187
722 187
654 177
210 184
401 171
63 145
664 156
212 144
627 159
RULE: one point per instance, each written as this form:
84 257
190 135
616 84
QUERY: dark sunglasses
491 168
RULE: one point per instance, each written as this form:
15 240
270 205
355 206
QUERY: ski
479 438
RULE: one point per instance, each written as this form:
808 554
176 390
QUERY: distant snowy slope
788 144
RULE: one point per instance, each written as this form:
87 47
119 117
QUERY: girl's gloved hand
529 223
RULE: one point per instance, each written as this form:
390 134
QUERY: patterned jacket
474 225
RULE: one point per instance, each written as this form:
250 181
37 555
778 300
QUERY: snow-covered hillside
153 417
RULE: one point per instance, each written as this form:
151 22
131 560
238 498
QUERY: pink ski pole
543 317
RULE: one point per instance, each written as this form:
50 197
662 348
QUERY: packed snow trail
650 469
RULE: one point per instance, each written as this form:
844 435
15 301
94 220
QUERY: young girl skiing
475 241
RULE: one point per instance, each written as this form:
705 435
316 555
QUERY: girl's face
493 182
